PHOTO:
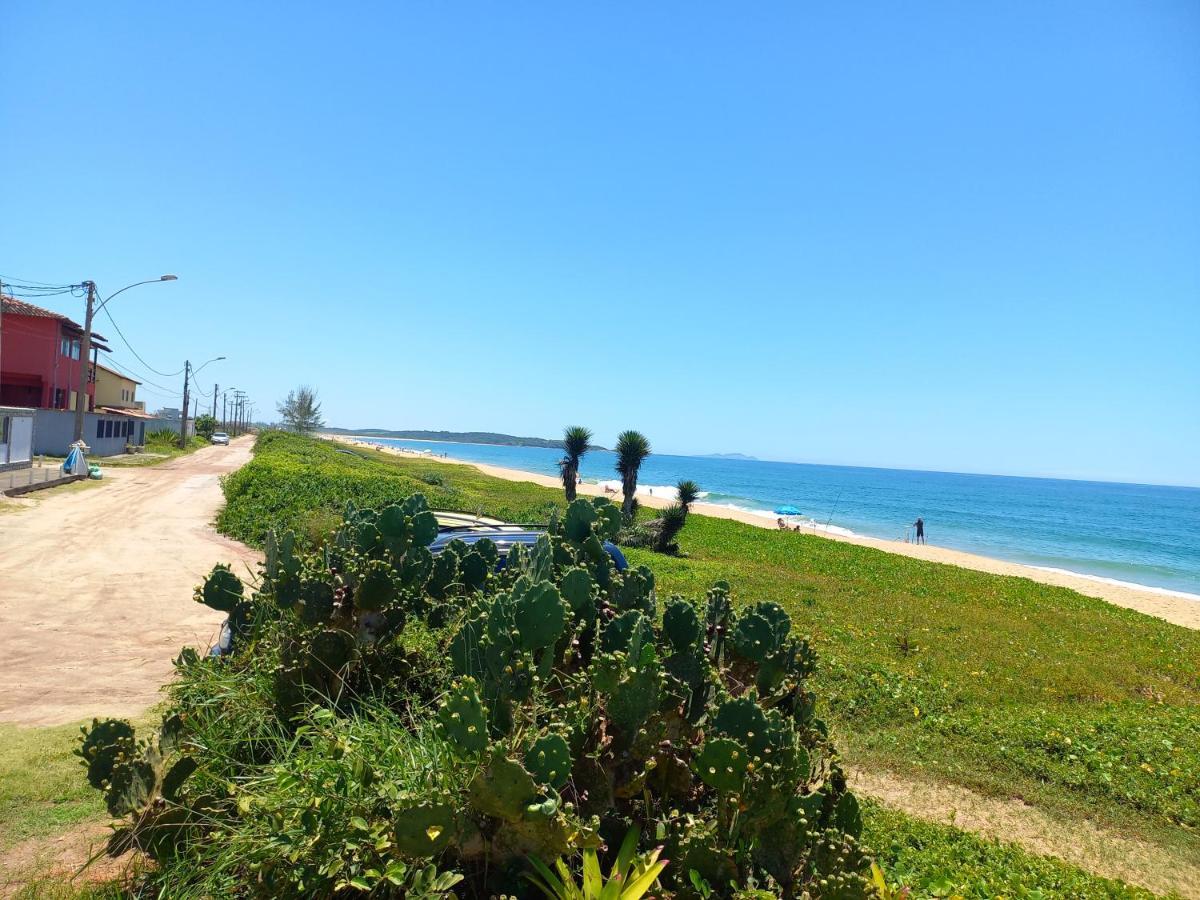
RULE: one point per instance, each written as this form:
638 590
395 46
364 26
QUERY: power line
125 340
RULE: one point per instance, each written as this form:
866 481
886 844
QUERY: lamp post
224 413
183 419
85 345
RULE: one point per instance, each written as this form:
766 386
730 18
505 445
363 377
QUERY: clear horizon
791 462
947 238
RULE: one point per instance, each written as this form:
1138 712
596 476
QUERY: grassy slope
42 788
1006 685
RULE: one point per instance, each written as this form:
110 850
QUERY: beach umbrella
787 510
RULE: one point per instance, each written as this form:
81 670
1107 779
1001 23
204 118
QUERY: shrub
385 710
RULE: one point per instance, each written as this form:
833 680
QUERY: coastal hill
742 456
457 437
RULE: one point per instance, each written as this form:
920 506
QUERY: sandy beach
1171 606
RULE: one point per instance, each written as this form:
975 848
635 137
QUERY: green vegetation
534 711
943 861
632 450
576 440
1001 684
40 789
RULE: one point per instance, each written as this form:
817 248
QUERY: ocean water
1140 534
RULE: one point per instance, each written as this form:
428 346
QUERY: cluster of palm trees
632 449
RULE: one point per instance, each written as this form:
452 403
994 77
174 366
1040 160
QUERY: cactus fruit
463 718
721 764
760 632
221 589
637 590
548 760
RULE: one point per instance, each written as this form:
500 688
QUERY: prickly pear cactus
221 590
571 709
463 718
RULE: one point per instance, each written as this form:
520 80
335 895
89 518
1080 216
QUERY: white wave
1166 592
662 491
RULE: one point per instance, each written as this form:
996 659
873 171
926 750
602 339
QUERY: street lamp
187 366
85 345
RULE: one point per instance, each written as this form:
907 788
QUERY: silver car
220 437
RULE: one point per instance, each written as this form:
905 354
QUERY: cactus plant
221 590
548 760
463 718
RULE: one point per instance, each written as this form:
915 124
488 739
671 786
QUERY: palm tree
632 450
687 492
576 440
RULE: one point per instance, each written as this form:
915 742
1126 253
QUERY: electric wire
125 340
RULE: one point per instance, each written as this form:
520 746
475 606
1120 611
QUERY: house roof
124 411
11 306
120 375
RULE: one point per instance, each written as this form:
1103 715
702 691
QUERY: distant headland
456 437
729 456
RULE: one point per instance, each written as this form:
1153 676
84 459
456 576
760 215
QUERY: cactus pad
549 760
102 746
721 764
376 589
681 625
577 524
744 721
577 590
540 615
423 829
463 718
504 789
221 589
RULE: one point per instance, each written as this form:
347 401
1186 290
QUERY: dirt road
96 587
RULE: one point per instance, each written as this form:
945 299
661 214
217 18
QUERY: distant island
455 437
729 456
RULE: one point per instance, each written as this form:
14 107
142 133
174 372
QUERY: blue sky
942 236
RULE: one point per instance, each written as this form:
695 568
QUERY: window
69 347
99 428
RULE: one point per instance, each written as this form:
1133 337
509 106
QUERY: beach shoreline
1172 606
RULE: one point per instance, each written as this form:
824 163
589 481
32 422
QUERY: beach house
39 357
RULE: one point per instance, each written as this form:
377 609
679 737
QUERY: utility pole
183 412
215 400
85 350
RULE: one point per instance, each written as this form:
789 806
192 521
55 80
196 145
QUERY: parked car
220 437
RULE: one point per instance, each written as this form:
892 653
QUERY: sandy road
96 587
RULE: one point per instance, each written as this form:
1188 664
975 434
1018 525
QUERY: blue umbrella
787 510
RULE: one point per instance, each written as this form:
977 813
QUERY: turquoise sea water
1141 534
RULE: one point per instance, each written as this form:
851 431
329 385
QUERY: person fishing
920 526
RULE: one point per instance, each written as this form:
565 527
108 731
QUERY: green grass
42 788
943 861
1001 684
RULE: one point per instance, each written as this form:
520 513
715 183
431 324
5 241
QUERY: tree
301 412
688 492
632 450
667 526
576 440
205 426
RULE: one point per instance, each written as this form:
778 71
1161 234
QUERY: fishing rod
835 506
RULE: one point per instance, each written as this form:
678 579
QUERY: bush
385 710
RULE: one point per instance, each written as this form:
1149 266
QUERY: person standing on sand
920 525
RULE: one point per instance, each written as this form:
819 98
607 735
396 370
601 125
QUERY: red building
39 357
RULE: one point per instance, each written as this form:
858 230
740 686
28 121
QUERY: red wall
29 355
